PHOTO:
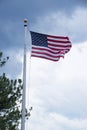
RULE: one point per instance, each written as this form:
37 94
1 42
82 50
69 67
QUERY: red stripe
58 48
60 37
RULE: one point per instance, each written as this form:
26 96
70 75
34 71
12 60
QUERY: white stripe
60 39
45 48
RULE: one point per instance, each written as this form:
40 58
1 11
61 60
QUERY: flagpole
24 79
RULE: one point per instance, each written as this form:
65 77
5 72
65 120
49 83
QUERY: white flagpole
24 79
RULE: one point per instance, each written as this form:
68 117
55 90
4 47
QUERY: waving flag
48 46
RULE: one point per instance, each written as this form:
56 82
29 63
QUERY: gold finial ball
25 20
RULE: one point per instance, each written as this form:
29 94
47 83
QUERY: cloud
59 23
16 10
67 123
56 121
14 65
58 90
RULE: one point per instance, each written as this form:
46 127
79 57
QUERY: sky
57 91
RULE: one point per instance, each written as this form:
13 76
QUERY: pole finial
25 22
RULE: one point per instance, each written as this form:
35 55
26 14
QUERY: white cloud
58 91
50 121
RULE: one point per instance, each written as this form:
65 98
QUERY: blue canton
39 39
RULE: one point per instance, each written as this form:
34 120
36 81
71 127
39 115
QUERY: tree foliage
10 100
2 60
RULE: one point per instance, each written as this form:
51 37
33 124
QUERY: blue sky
57 91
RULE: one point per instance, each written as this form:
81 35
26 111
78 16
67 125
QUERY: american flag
48 46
